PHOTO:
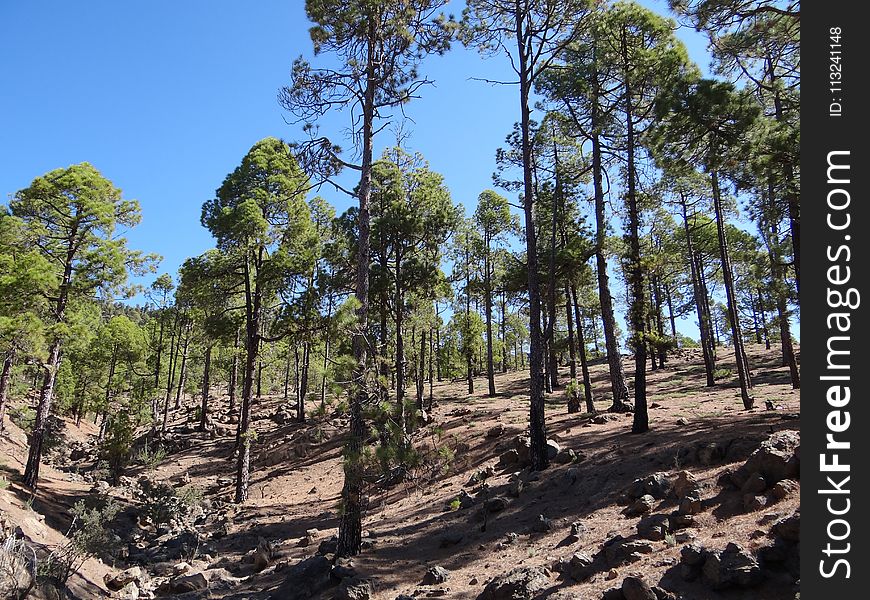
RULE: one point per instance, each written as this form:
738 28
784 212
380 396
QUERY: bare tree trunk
234 373
206 388
727 274
5 377
487 290
581 347
699 293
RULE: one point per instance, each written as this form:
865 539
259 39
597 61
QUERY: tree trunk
736 334
43 410
487 290
537 426
170 376
763 320
581 347
5 377
574 396
637 305
699 294
350 525
206 387
614 358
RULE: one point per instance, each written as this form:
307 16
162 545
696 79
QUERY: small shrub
152 457
89 535
164 503
722 373
17 568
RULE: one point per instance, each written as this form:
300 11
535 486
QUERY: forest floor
417 524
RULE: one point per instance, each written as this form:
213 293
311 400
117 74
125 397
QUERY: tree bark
733 316
206 387
5 376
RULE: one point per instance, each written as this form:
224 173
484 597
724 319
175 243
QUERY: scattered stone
663 594
789 528
451 538
654 527
732 567
543 524
603 418
509 458
613 594
752 503
305 579
118 581
435 575
328 546
679 521
619 551
553 449
353 588
522 583
656 485
685 484
188 583
778 457
578 528
482 475
690 505
611 575
496 431
496 504
522 445
754 484
682 421
710 453
262 554
640 506
579 568
785 488
566 457
635 588
684 537
343 569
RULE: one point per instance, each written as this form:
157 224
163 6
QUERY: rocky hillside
704 506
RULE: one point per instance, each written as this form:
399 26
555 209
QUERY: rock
654 527
496 431
343 569
328 546
579 568
682 421
663 594
693 555
785 488
732 567
710 453
635 588
656 485
603 418
789 528
517 486
685 484
684 537
613 594
619 551
128 592
353 588
566 457
522 445
435 575
117 581
509 458
553 449
690 505
262 554
305 579
522 583
496 504
578 528
542 524
640 506
188 583
754 484
751 502
451 538
481 475
778 457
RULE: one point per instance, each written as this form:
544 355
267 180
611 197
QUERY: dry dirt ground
296 484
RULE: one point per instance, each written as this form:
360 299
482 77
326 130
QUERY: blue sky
165 98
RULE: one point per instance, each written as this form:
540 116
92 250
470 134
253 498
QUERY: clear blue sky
165 98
